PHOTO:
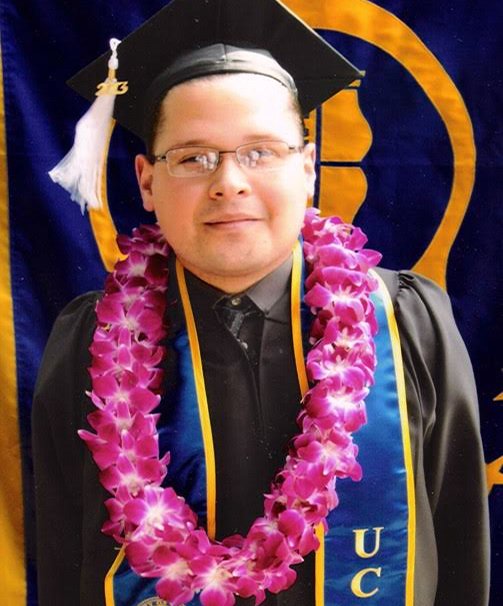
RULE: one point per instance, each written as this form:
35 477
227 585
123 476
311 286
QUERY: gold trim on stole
202 401
295 304
109 579
407 449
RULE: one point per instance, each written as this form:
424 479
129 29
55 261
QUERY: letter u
360 542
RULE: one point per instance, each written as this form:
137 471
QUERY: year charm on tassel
111 86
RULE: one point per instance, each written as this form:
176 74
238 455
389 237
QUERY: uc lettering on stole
367 576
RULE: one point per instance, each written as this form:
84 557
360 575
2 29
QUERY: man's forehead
217 108
235 94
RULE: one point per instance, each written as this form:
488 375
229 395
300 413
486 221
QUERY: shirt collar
264 293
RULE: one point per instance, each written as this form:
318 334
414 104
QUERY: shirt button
235 301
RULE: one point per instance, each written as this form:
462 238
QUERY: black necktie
244 320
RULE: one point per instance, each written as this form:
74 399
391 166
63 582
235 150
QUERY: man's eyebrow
190 143
266 136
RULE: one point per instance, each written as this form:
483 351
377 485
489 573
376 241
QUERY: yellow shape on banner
345 133
345 137
494 474
342 191
499 398
310 125
372 23
12 569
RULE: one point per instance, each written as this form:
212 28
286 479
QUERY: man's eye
194 159
258 156
261 152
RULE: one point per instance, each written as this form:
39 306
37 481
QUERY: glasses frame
164 157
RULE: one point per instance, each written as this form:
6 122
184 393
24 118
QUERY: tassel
80 171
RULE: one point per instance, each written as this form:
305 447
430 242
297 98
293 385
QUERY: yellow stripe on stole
109 579
12 543
298 349
304 386
407 450
204 414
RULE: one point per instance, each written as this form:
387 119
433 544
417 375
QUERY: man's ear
310 167
145 175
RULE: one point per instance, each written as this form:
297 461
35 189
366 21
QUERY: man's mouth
231 221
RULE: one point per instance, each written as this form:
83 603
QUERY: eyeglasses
194 161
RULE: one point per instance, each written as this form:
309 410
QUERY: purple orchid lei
156 526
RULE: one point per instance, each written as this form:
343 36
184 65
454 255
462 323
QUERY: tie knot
233 310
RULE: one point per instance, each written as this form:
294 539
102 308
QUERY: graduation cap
193 38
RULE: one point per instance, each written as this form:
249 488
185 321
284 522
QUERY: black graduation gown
253 408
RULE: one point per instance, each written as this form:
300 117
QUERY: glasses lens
264 155
191 161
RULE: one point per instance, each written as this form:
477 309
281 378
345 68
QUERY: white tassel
80 171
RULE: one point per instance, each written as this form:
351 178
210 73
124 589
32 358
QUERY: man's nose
229 180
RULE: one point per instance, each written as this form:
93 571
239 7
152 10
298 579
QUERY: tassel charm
80 171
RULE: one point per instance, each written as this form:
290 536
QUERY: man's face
234 226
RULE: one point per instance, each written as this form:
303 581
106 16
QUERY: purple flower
134 476
175 583
215 580
125 390
333 404
157 509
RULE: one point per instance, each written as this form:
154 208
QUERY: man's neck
236 284
264 293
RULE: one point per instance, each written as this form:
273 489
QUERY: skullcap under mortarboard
147 55
209 60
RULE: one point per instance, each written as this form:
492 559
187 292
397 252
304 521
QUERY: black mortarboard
160 54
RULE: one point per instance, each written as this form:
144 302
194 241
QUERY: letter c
356 582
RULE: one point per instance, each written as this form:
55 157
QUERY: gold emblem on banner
494 472
156 601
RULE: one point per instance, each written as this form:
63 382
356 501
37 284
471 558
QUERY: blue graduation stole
368 552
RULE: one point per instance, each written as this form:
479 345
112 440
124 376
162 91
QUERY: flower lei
156 526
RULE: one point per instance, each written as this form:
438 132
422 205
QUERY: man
228 177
